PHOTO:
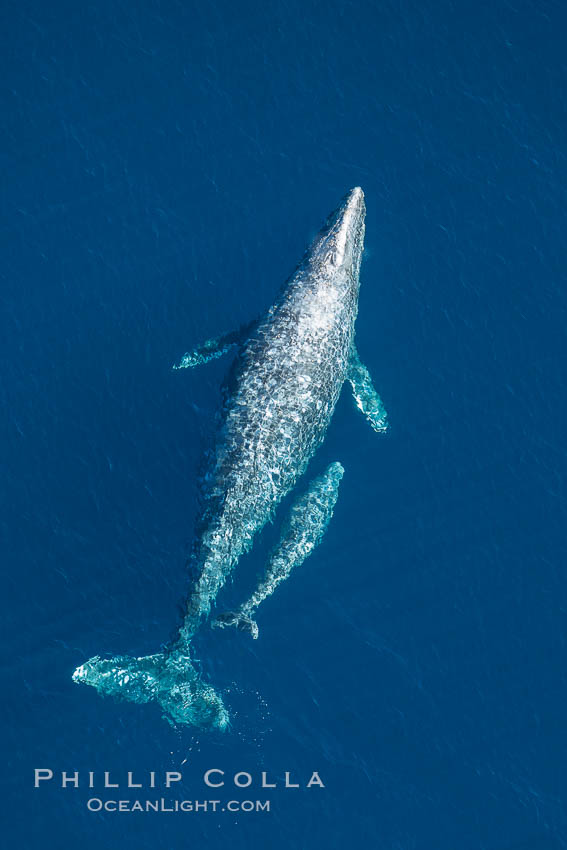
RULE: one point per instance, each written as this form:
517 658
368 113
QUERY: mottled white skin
286 384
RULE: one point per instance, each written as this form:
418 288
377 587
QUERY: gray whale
287 378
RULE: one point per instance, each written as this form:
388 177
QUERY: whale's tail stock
169 678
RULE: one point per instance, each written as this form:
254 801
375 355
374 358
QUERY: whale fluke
241 621
170 680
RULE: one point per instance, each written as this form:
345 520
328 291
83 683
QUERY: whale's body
277 406
285 387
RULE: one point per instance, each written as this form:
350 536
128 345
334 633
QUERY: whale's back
284 390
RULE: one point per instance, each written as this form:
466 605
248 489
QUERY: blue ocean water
164 165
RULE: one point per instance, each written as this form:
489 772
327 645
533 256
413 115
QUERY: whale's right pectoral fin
214 348
366 398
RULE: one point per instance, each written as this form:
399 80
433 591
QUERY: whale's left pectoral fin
366 398
214 348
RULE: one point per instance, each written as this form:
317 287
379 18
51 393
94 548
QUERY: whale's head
338 246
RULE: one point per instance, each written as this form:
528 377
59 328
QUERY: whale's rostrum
283 388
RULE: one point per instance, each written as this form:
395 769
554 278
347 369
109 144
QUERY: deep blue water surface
164 164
